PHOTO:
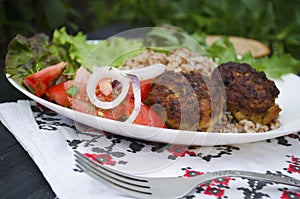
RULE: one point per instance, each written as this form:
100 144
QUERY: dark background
274 22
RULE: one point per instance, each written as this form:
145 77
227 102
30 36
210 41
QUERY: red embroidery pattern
222 181
192 173
214 188
289 195
214 191
294 136
101 158
294 165
180 151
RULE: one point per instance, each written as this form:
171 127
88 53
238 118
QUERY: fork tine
111 172
132 190
112 176
122 183
114 185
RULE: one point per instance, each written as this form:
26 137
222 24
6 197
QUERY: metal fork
166 187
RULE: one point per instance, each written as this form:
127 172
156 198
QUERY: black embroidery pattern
177 151
221 151
47 119
74 143
174 151
134 146
285 140
91 138
254 190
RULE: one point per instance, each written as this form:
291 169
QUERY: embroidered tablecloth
51 139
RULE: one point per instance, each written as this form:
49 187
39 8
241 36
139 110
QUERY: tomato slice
40 81
58 93
146 116
146 86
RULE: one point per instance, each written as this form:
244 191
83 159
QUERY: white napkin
52 155
50 139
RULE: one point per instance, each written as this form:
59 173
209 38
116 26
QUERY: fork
166 187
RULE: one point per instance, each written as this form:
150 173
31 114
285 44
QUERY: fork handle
255 176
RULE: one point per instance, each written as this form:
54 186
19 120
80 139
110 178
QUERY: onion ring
137 97
107 72
148 72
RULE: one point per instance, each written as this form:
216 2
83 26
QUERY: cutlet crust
250 95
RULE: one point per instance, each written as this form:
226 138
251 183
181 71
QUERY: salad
104 98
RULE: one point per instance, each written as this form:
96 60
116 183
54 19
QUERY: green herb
115 93
124 117
73 91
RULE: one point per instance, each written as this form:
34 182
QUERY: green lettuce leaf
276 66
77 46
29 55
222 51
113 52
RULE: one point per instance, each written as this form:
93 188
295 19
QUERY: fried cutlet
249 94
188 101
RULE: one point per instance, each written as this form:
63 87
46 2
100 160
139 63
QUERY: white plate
288 100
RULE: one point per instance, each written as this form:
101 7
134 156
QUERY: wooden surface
19 176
